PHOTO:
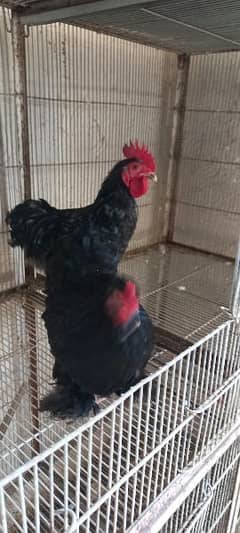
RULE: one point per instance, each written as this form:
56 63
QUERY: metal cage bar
104 474
19 54
176 141
162 439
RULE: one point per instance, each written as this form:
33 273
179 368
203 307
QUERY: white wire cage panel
89 94
208 507
103 473
11 188
208 188
162 273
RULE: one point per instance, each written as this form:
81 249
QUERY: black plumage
93 356
96 352
101 230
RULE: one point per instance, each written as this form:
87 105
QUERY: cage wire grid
146 438
101 475
208 506
165 24
15 333
107 472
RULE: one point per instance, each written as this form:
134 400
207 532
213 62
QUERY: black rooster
101 230
100 337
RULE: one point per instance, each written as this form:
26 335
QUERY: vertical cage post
18 42
3 187
183 63
7 274
235 293
19 54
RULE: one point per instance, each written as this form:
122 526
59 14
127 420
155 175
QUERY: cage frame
18 39
216 417
159 513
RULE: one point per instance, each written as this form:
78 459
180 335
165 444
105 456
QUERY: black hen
101 230
100 337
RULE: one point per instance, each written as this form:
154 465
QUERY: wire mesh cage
70 97
208 507
147 437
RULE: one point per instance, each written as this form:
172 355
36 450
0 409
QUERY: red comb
140 152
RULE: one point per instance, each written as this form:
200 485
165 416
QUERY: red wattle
138 186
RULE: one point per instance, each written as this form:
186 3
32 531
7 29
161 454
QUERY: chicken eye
135 166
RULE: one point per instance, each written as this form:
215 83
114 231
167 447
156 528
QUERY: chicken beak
153 177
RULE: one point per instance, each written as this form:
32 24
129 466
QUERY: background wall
208 194
88 94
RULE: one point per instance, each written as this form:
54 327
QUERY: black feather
92 357
100 231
